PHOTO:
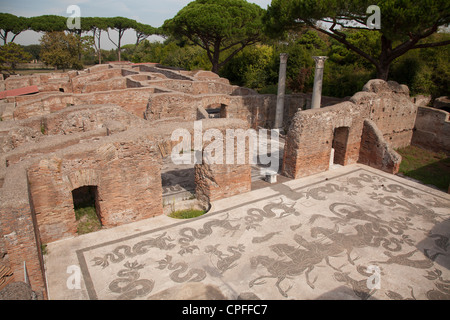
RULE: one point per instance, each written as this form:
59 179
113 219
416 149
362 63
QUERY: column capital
283 57
320 61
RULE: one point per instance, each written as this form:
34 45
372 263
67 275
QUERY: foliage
147 51
425 71
218 26
247 58
95 25
405 25
48 23
251 67
10 55
170 53
186 57
120 24
10 23
257 67
143 31
34 50
59 50
344 80
345 72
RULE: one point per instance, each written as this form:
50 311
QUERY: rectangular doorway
340 140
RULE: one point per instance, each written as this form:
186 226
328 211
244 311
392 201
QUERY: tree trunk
383 71
79 44
99 47
384 60
215 58
215 67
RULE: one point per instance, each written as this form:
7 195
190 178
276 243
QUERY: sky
152 12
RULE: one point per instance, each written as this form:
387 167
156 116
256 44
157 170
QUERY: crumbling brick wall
389 106
217 181
21 246
432 130
311 135
310 138
125 168
375 151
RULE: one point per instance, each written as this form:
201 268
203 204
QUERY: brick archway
83 177
84 185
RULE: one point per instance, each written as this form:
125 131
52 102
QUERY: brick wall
20 239
126 172
375 151
311 135
432 130
314 132
390 108
215 181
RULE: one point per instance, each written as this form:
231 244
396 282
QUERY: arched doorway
87 209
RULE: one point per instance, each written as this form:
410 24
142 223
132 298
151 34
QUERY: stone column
318 79
281 89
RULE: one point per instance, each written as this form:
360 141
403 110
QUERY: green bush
425 71
341 81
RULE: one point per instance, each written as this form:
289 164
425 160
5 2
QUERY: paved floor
350 233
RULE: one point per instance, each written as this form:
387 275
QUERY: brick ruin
106 129
364 129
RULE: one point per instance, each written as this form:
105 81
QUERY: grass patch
186 214
87 220
44 249
426 166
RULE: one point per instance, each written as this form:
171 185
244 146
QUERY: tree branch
107 31
232 55
429 45
4 36
341 37
412 43
15 35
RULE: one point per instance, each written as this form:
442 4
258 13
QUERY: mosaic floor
349 233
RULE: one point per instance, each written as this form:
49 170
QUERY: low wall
432 130
375 151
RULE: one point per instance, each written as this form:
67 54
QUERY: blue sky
153 12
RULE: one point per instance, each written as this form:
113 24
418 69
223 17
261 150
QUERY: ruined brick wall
177 106
217 181
313 132
140 88
214 181
133 100
257 110
310 138
432 130
76 119
375 151
84 82
390 108
126 172
20 240
45 81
